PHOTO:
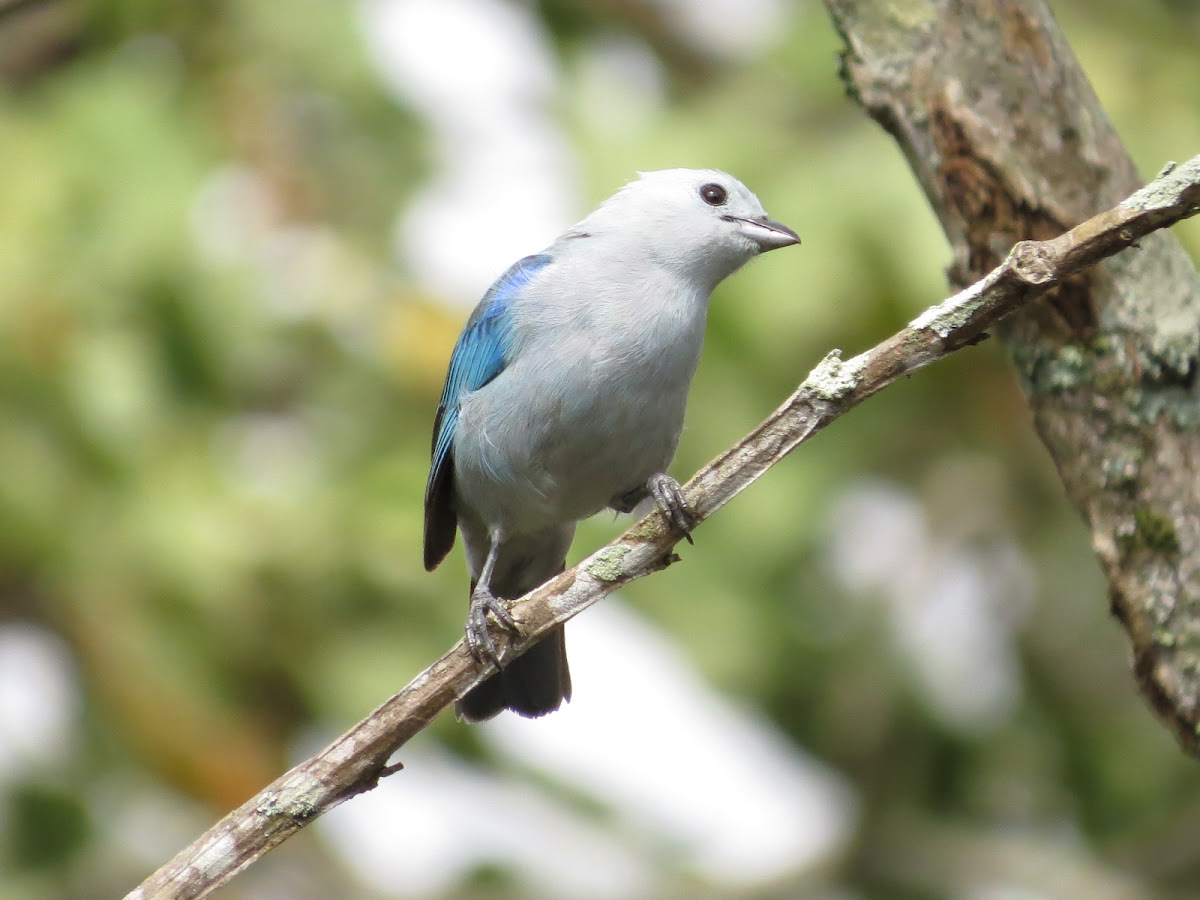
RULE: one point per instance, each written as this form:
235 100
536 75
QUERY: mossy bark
1009 142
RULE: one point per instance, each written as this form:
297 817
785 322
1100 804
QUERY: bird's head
702 220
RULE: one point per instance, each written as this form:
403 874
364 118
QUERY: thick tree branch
358 759
1009 142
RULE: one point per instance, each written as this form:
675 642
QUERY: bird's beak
768 234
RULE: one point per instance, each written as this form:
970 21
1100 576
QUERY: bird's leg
667 497
483 601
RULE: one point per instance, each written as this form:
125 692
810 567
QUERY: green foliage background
213 493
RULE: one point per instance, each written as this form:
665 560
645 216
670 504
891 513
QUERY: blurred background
237 242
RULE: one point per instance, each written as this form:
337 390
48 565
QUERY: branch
358 759
1009 142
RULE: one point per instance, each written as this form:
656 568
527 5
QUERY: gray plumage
566 396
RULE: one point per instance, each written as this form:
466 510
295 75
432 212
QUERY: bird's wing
479 356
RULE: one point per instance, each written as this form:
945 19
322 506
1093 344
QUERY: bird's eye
713 194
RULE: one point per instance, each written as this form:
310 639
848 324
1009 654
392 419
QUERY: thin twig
358 759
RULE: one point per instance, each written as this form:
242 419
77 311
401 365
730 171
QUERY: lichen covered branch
1009 142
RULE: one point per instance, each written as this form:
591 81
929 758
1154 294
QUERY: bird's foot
479 638
668 497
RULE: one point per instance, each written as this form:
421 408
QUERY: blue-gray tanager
565 396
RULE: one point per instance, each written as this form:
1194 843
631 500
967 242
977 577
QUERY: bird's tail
538 681
533 684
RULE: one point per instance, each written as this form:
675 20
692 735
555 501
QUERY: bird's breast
574 423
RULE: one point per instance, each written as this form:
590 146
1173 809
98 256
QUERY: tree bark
1009 142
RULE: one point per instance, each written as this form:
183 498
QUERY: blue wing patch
479 356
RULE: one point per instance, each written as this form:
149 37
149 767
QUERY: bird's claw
479 638
668 497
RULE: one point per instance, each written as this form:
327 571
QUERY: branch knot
1034 262
833 378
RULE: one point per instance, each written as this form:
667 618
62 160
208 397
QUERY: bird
565 396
